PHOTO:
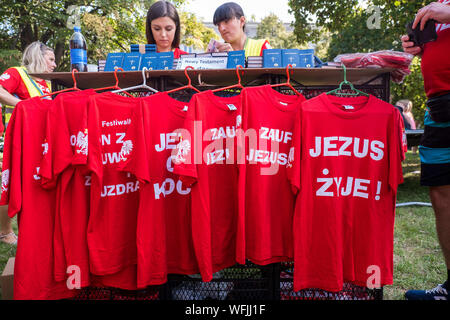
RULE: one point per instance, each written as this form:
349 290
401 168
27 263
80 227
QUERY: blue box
307 58
150 48
132 61
290 56
150 61
272 58
113 61
236 58
165 60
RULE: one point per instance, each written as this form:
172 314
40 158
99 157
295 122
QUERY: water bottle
78 55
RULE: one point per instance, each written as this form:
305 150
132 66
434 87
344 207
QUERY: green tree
273 29
108 26
362 26
194 33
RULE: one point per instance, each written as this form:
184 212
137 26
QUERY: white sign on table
201 63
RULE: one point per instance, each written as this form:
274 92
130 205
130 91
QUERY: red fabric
265 46
266 205
164 236
114 199
178 52
12 82
209 166
35 207
435 61
61 166
343 148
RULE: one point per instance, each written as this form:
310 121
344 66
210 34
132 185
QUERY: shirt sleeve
134 154
10 80
189 150
12 164
397 149
293 167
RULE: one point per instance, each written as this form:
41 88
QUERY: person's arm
436 11
7 98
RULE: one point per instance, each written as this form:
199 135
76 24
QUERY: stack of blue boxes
136 60
281 58
236 58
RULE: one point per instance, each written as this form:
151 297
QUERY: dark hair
228 11
162 9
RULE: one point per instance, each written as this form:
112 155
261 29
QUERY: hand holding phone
420 37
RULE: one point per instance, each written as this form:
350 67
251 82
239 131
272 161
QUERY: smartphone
421 37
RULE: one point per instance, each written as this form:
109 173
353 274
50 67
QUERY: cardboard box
7 280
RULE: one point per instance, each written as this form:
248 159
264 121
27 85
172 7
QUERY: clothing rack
248 282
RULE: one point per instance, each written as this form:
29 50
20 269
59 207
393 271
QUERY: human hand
222 47
436 11
408 46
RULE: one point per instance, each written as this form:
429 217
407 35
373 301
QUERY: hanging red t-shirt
164 235
35 207
266 204
435 62
12 82
346 167
62 166
206 161
114 200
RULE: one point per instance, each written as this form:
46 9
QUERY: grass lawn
418 261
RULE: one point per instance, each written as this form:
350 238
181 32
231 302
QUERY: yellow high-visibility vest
253 47
32 87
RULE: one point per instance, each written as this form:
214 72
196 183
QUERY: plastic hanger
339 91
116 86
141 86
288 81
74 88
237 85
189 85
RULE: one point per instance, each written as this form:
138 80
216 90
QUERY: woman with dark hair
230 20
163 28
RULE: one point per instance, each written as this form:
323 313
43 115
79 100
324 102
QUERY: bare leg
440 199
6 226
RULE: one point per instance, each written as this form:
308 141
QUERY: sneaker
438 293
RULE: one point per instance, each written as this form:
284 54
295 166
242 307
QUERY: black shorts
434 152
434 175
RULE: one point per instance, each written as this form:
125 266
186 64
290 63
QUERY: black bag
439 108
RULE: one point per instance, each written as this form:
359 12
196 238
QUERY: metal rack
249 282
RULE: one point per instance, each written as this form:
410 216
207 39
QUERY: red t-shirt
12 82
35 207
206 160
346 157
114 199
164 235
266 204
62 166
435 61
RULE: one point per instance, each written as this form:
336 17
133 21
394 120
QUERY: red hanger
189 85
237 85
65 90
288 81
116 86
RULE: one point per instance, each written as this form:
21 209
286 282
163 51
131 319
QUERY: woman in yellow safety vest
230 20
15 85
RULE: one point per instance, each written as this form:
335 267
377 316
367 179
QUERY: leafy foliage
108 26
273 29
363 26
194 33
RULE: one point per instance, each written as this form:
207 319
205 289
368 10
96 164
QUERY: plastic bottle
78 55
